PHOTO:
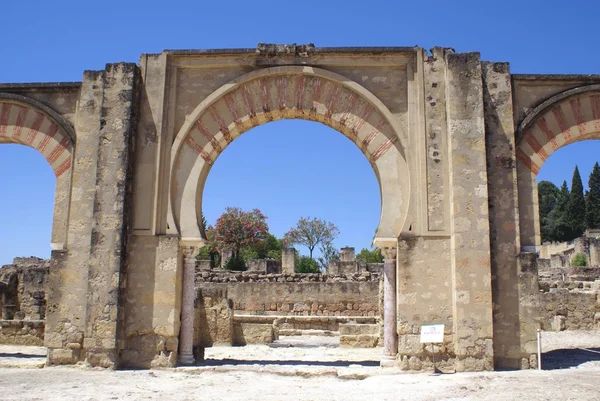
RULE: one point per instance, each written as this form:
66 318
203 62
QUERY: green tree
370 256
210 250
556 222
576 208
307 265
311 232
592 205
329 253
579 260
547 196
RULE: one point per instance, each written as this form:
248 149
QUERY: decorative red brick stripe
333 100
299 91
248 101
58 150
20 122
264 94
198 149
595 102
64 166
561 120
579 117
281 92
4 118
526 160
221 123
33 131
551 136
206 133
232 109
536 146
46 139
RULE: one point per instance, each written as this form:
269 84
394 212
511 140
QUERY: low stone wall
570 309
22 289
297 294
22 332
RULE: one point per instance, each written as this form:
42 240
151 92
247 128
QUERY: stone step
309 332
359 329
359 341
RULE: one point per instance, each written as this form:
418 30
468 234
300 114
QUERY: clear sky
273 167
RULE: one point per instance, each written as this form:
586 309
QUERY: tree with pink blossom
237 229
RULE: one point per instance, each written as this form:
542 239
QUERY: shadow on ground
337 364
569 358
19 355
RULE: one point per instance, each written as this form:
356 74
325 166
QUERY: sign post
432 333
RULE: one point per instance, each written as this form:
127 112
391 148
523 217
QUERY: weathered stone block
252 333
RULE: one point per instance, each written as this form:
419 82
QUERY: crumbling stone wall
569 306
296 294
22 332
22 289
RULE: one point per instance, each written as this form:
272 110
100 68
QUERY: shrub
579 260
307 265
235 264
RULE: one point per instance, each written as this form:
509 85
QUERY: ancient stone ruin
23 301
455 142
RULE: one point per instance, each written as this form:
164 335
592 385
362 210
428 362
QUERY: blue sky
58 40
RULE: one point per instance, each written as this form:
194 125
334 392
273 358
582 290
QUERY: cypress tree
556 222
576 209
547 197
592 206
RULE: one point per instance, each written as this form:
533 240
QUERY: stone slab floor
310 369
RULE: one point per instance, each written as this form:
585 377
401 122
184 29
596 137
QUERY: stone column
288 260
390 332
186 335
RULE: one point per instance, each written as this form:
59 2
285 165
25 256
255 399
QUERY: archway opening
289 169
568 263
27 204
26 219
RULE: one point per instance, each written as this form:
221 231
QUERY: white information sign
432 333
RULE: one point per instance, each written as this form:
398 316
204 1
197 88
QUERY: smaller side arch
28 122
570 116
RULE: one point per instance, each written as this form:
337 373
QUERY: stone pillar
594 251
390 332
347 254
110 217
186 335
225 256
288 260
470 227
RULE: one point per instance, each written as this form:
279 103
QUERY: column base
186 359
388 361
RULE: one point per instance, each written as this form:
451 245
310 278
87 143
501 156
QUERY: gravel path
313 371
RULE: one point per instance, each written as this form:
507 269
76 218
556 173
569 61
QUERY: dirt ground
306 369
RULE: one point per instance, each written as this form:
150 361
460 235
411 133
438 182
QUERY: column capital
188 251
389 252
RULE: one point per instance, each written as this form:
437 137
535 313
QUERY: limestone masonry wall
296 294
567 308
22 289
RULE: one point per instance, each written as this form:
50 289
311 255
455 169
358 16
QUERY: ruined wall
576 309
22 332
23 289
296 294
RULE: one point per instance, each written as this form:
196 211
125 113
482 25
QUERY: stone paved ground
314 371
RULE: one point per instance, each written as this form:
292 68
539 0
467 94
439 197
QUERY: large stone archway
455 143
293 93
